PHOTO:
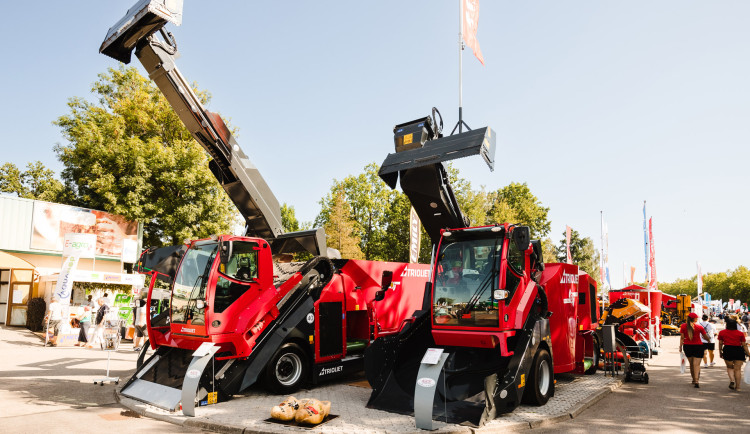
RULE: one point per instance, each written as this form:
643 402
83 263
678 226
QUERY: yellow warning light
311 339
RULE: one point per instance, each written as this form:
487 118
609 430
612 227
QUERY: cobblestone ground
249 411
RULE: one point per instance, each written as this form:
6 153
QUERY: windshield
190 284
465 279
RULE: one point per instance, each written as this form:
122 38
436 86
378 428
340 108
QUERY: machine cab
478 274
213 275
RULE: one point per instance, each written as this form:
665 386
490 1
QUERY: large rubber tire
287 370
595 360
541 383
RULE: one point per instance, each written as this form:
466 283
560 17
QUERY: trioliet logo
326 371
410 272
569 278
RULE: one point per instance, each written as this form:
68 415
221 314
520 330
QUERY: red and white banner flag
567 243
471 22
415 236
700 278
652 284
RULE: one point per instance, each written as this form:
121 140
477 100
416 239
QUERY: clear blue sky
598 106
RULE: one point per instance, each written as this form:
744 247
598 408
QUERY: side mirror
225 251
386 280
385 283
521 237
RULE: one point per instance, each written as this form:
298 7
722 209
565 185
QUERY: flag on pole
606 256
700 278
652 284
471 23
645 240
567 243
415 235
632 274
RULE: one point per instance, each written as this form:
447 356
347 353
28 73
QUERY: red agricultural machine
640 328
507 320
239 312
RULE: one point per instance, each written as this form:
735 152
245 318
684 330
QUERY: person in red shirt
733 348
690 342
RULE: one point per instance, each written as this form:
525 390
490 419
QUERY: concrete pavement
50 390
669 403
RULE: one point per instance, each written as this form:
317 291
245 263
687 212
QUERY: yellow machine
684 306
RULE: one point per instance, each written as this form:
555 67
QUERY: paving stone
249 411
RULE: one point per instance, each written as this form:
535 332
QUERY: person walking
54 319
733 348
140 321
84 320
99 330
709 345
692 346
746 321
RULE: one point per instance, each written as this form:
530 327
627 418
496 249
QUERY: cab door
188 307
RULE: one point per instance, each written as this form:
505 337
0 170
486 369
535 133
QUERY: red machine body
639 328
236 326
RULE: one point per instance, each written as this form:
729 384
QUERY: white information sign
432 356
79 245
129 251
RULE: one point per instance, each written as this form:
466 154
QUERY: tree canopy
36 182
129 154
582 252
734 284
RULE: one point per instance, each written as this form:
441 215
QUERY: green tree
369 198
289 219
515 203
341 228
36 182
582 252
129 154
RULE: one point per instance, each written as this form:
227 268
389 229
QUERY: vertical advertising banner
471 24
415 236
75 246
700 278
652 285
645 240
567 243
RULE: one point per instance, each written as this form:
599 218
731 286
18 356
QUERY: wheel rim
545 377
288 369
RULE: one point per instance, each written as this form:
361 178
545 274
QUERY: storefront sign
79 245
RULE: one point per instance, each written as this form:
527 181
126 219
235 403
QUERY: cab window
516 262
241 269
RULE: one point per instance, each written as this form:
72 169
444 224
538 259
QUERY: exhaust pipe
141 21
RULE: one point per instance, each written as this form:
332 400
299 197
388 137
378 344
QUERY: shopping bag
747 373
683 362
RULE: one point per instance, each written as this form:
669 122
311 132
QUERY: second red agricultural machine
508 321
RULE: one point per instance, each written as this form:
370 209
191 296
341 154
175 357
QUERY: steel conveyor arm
238 176
418 160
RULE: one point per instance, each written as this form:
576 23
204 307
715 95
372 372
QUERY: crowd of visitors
90 318
697 342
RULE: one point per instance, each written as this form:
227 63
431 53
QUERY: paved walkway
248 413
669 403
50 390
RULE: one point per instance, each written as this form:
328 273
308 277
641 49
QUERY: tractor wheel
595 360
287 370
645 378
541 384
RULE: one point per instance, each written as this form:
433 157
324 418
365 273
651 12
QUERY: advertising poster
50 223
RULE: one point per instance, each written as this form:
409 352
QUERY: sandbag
313 412
287 409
